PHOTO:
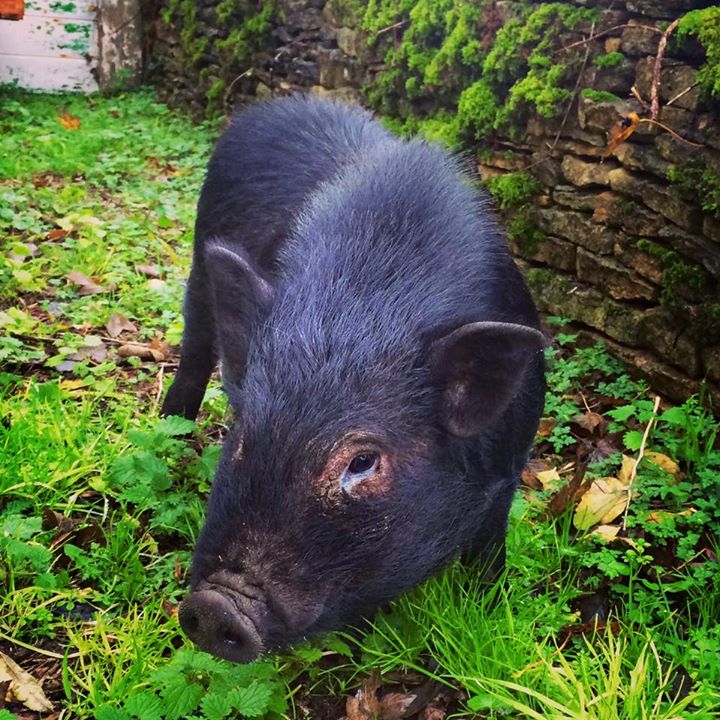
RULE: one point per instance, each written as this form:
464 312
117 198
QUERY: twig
394 26
633 472
650 121
681 94
606 32
160 376
39 651
655 89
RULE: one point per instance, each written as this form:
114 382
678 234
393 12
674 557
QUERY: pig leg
488 546
197 354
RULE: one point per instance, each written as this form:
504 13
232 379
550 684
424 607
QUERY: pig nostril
213 623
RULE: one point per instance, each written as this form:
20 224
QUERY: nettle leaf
141 468
308 654
174 425
623 413
216 706
145 706
633 440
181 697
107 712
20 527
254 700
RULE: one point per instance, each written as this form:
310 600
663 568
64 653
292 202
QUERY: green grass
100 500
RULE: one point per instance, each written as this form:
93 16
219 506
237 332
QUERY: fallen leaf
395 705
434 712
605 499
626 470
590 421
657 516
86 285
117 324
144 352
51 519
69 122
546 426
156 284
57 234
364 705
607 533
550 480
530 472
23 687
620 132
150 271
663 462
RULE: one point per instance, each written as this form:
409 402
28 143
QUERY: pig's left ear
479 368
240 296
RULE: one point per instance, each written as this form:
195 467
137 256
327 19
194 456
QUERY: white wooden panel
53 74
65 9
48 37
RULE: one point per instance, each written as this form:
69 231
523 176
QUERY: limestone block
613 277
582 173
657 197
576 227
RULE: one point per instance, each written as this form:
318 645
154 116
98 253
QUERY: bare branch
655 89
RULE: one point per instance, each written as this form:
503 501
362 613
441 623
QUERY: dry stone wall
625 243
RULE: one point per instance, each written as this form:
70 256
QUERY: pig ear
240 296
479 368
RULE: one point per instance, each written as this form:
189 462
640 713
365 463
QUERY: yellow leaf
658 516
550 479
606 532
23 686
602 503
69 122
628 463
663 462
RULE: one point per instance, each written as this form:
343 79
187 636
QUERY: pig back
268 162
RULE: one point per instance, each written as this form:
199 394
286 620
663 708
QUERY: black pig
381 355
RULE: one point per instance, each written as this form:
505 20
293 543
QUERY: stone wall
626 243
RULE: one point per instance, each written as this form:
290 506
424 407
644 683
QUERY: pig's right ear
240 297
479 369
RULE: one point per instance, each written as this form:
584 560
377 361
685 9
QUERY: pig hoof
214 624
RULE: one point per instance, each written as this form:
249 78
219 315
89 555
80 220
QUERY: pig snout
213 621
236 618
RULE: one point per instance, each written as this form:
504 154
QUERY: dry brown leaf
57 234
546 426
23 687
150 271
657 516
69 122
117 324
86 285
590 421
144 352
434 712
395 705
364 705
621 131
626 470
605 499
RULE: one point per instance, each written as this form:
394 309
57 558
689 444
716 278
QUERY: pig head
383 362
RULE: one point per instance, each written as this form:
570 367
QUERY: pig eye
359 468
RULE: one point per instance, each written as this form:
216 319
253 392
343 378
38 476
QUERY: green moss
525 234
441 128
701 184
244 26
477 110
601 96
677 274
608 60
514 189
705 26
465 54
